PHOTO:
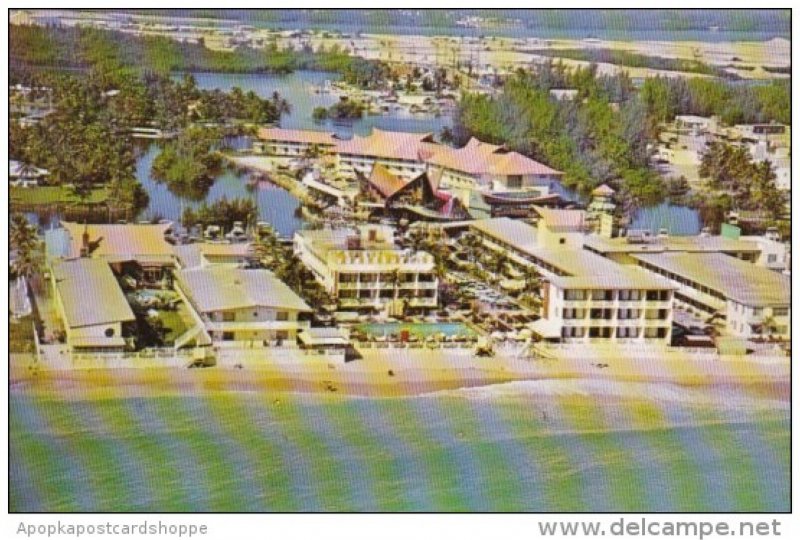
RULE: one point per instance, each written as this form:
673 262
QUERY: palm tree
25 242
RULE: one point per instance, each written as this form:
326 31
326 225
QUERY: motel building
365 270
292 142
237 305
92 307
586 297
752 300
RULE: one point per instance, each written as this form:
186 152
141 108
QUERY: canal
276 205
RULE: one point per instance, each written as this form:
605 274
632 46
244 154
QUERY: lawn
176 322
42 195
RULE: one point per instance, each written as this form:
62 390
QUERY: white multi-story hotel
753 300
586 297
364 269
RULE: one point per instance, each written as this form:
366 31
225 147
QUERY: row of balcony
362 285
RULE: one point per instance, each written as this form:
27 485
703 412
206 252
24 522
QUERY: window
780 312
652 295
757 311
515 181
573 294
228 316
282 316
109 332
771 258
227 336
282 334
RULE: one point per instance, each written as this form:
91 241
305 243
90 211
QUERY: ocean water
526 446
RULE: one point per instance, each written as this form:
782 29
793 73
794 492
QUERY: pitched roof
121 242
477 157
297 135
390 144
603 191
90 294
744 282
384 181
217 288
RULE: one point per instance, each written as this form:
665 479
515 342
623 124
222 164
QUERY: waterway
278 206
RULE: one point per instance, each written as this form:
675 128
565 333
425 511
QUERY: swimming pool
418 329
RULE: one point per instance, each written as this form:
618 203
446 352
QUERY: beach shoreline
384 374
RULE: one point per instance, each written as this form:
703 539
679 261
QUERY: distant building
502 176
365 270
293 142
207 253
696 125
564 94
403 154
772 132
23 175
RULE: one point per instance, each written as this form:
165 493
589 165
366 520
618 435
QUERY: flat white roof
744 282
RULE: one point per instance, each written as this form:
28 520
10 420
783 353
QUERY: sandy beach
391 373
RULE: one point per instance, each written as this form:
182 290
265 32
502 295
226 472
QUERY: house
751 299
564 94
91 304
365 269
696 125
24 175
242 305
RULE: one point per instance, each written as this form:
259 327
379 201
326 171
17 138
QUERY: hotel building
477 167
752 300
364 269
586 297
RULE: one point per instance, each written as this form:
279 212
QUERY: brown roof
390 144
121 242
384 181
478 157
296 135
